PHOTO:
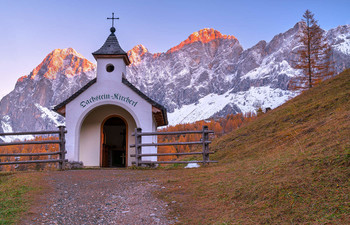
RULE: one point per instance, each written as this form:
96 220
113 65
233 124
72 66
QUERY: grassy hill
289 166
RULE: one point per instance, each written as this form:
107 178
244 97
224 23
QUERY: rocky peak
339 34
205 35
136 53
64 61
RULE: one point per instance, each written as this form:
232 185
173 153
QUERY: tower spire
113 18
111 47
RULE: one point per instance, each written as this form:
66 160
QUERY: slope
290 166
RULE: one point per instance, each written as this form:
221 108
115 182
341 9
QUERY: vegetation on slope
290 165
220 126
42 148
16 191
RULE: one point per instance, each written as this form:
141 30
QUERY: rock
74 165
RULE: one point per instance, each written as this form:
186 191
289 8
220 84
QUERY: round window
109 68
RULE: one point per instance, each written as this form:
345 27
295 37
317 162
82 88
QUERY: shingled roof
159 111
111 48
73 96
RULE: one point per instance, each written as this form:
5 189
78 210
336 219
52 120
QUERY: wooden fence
138 146
62 151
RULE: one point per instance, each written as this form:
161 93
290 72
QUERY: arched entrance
114 142
91 132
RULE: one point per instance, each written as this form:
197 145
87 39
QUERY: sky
31 29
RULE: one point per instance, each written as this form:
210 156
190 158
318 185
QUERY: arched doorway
114 142
91 132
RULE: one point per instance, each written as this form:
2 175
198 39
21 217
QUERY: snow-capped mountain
208 74
339 39
28 106
185 73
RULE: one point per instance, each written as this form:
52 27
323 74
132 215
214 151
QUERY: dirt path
99 197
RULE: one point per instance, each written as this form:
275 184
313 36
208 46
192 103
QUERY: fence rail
62 151
138 146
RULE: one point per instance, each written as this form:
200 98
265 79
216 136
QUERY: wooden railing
138 146
62 150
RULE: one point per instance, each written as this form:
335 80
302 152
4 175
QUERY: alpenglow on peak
205 35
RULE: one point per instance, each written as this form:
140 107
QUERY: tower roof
111 49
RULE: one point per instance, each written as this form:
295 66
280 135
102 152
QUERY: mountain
184 74
207 75
28 106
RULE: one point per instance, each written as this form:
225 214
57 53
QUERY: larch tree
313 56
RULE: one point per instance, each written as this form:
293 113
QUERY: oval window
109 68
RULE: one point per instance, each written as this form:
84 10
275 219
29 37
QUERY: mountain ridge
201 79
203 36
28 106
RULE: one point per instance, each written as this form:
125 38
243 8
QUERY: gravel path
116 196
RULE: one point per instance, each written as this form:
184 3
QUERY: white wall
80 122
90 136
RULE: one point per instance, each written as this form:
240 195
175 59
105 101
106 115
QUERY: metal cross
123 158
113 18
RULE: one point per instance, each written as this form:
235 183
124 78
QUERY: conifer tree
313 55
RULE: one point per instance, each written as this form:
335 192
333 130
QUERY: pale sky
31 29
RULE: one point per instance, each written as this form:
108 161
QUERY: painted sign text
115 96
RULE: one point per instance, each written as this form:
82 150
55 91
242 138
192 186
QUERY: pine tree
313 56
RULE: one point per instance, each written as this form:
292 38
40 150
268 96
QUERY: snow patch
7 128
192 165
269 67
246 101
344 46
51 115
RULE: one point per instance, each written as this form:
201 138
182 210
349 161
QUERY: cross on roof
113 18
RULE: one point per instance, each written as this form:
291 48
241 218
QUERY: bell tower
111 59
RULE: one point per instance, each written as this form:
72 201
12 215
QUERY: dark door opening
114 143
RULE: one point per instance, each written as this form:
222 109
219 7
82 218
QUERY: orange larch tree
313 56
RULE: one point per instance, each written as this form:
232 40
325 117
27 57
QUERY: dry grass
17 191
289 166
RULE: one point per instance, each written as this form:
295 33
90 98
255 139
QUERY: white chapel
102 115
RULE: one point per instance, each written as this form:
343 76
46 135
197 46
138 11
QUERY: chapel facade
102 115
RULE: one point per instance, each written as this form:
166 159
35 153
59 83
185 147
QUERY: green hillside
289 166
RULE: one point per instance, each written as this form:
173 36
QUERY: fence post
138 148
62 163
205 138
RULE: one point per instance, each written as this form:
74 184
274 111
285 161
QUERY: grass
16 191
289 166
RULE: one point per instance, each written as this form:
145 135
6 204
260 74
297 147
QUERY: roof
111 47
73 96
159 111
161 116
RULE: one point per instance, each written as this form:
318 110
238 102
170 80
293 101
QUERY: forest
220 126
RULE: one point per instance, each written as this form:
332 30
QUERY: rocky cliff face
60 74
186 72
339 39
208 74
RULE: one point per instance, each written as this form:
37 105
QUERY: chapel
102 115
